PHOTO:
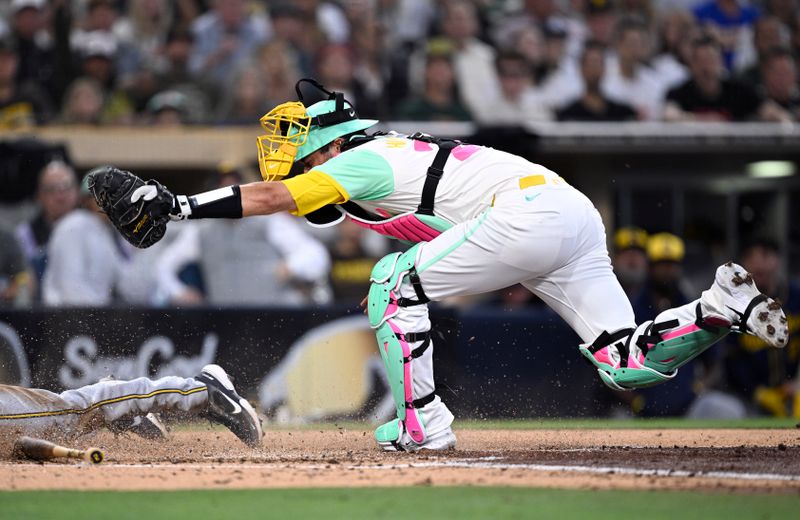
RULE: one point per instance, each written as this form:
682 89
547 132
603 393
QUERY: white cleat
734 294
227 407
444 440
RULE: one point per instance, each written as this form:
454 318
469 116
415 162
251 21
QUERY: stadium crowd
128 62
495 62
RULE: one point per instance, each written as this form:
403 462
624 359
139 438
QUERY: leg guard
398 312
652 352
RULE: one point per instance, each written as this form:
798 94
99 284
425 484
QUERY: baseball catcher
129 406
476 220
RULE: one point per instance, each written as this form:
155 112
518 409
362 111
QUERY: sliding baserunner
133 405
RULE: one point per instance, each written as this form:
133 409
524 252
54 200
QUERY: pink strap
405 227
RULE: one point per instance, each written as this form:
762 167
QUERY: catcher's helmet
294 131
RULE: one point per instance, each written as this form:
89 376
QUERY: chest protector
417 226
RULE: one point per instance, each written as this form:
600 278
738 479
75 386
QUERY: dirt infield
760 461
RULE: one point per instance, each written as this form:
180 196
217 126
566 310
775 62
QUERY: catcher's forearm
266 198
221 203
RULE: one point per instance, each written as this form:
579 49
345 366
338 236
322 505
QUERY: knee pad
652 352
394 281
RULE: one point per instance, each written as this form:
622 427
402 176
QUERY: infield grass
393 503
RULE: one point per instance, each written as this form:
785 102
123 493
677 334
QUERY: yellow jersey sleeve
314 190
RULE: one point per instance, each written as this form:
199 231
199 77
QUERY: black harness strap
326 215
422 401
605 339
742 326
413 337
435 172
413 277
652 335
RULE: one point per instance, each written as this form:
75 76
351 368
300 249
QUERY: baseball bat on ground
39 449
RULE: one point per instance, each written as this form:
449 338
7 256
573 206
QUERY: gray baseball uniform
36 411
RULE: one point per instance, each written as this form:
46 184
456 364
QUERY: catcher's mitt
138 209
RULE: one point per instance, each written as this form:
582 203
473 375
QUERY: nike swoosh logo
529 198
236 407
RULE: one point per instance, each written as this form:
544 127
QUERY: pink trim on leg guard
414 427
412 422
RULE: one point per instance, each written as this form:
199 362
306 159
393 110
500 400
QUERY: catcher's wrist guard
222 203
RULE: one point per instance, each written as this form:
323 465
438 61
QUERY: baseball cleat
228 408
393 437
148 426
750 311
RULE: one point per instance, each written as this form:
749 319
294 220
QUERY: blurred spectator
765 378
665 287
293 29
277 64
405 22
16 281
368 52
328 16
56 195
779 76
247 100
20 105
473 60
630 259
145 28
785 10
560 80
529 42
84 257
177 77
351 264
168 108
641 9
519 101
768 34
627 78
708 96
98 62
268 260
542 14
594 105
83 103
732 22
33 45
101 21
601 21
336 70
439 100
143 32
669 64
225 38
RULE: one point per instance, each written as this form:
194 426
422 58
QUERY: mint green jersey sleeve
364 174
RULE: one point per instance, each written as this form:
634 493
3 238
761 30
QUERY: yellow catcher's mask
286 129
